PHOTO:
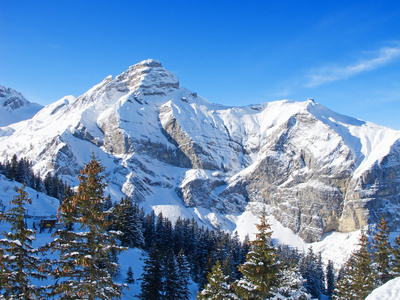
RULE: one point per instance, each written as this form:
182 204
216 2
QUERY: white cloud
326 74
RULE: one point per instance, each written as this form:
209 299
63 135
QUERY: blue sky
344 54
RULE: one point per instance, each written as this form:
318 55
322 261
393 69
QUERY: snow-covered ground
389 291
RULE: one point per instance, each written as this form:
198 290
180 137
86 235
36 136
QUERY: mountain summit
174 152
14 107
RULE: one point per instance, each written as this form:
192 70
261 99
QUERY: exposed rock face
163 145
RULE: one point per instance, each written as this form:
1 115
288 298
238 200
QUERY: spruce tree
217 287
291 285
18 260
330 279
129 276
84 267
343 289
363 275
359 278
383 252
262 267
149 229
127 220
152 277
184 276
171 276
395 267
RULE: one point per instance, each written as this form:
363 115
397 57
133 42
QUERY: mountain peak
14 107
150 76
11 99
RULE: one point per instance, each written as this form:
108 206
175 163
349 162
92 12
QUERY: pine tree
383 252
129 276
171 276
85 266
292 285
358 279
127 220
152 277
107 203
363 276
343 289
395 267
262 267
217 287
149 230
330 278
184 276
17 259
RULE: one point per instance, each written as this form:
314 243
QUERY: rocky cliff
170 149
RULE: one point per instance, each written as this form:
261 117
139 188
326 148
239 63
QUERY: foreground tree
85 266
18 261
262 267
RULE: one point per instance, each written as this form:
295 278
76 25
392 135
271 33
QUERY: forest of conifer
223 267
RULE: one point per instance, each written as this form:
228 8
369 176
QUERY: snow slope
14 107
41 206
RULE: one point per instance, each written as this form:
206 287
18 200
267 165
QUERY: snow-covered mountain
14 107
316 171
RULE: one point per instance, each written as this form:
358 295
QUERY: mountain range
315 171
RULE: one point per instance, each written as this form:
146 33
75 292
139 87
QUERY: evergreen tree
217 287
48 184
171 276
184 276
21 172
149 230
395 267
383 252
343 289
363 275
18 261
152 277
129 276
128 222
262 267
359 278
312 271
84 267
12 168
330 279
107 203
292 285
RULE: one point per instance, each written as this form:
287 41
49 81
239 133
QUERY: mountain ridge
316 170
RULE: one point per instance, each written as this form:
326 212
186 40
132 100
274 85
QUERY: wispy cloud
326 74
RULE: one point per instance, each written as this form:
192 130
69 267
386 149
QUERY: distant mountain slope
315 170
14 107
